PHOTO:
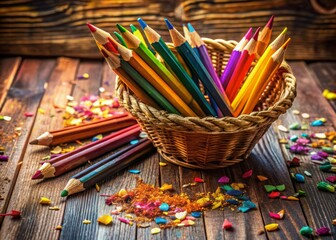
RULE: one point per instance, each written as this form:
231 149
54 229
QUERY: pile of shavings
90 108
149 203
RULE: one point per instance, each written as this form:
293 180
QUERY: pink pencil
243 65
235 55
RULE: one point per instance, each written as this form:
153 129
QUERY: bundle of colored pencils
131 148
172 83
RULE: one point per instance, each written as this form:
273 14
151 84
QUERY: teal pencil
112 165
160 46
185 50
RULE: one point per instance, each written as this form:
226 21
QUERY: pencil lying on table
107 167
62 164
85 130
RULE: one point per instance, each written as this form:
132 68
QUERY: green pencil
161 47
185 50
120 38
138 34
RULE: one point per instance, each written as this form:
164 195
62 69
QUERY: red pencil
243 65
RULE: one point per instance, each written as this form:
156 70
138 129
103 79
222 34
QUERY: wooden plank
37 221
319 207
8 69
324 73
81 206
59 28
24 96
90 200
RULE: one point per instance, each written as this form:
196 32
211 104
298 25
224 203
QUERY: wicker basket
211 143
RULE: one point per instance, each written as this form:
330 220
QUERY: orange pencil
243 65
265 77
247 87
264 38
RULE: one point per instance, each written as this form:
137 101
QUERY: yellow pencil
247 87
265 77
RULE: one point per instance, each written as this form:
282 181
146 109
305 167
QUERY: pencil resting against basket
204 103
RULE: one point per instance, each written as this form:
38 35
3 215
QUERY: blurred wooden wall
58 28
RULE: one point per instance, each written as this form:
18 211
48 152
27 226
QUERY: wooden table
29 84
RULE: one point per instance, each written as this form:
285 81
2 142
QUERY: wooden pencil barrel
211 143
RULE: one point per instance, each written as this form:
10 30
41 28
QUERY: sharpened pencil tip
191 28
104 53
285 45
169 25
133 28
64 193
109 47
91 27
121 28
270 22
37 175
142 23
34 142
248 35
284 31
255 35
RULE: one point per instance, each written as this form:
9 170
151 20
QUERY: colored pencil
143 83
85 130
120 38
137 33
107 168
265 77
142 38
234 57
102 37
247 87
243 65
89 145
117 139
161 48
135 44
201 51
196 65
187 37
204 56
264 38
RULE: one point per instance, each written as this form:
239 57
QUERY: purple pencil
233 60
204 55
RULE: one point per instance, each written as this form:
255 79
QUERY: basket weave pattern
211 143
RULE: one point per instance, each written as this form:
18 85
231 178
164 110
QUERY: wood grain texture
29 92
24 96
8 69
325 74
312 33
310 100
49 28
